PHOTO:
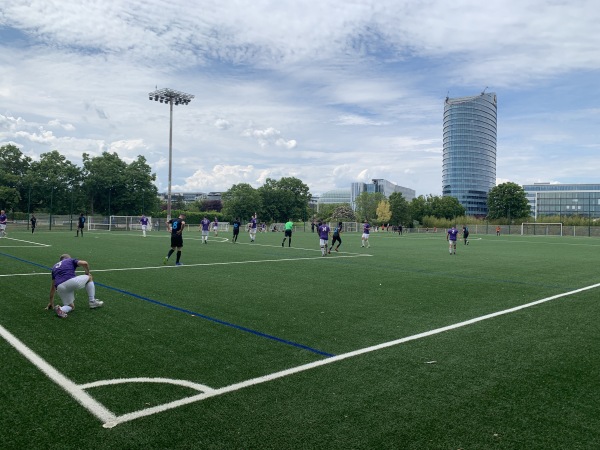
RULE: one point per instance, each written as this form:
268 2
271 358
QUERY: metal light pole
171 97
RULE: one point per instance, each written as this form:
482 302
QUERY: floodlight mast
170 96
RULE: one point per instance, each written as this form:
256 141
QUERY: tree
284 199
13 169
420 207
400 209
446 207
507 200
114 187
384 214
343 211
242 201
366 205
55 184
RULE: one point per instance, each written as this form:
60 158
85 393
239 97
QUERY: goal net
117 223
541 229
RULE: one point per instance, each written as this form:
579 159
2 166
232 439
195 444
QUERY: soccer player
205 226
33 221
365 234
465 233
337 233
451 235
323 231
236 229
80 224
289 226
65 281
175 226
216 226
144 224
498 230
253 228
3 220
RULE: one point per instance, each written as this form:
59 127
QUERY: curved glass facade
469 164
335 196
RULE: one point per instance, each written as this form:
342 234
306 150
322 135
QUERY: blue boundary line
186 311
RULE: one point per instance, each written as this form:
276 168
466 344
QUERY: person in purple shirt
3 220
65 281
216 226
365 234
451 236
253 228
144 224
204 226
323 231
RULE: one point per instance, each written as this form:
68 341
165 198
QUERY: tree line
107 185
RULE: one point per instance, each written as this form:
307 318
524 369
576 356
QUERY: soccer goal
541 229
117 223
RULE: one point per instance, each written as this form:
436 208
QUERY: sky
327 91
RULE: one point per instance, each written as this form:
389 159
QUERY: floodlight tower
171 97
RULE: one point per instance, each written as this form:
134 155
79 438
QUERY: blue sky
330 92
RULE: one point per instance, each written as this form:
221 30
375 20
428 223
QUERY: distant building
187 197
469 156
335 196
547 199
387 188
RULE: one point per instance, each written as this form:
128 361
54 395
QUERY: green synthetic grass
528 379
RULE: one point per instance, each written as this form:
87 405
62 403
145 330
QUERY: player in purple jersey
216 226
65 281
323 231
204 226
253 228
3 220
451 236
365 234
144 224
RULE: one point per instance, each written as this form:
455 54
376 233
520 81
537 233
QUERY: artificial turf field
255 346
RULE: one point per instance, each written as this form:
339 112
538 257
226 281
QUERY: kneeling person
65 281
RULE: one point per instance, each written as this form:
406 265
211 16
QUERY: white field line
110 420
35 244
350 255
96 408
333 359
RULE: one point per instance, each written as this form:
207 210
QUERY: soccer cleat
59 312
336 249
329 252
165 259
96 303
179 264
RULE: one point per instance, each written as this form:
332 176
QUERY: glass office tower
469 164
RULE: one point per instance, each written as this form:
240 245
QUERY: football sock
178 256
170 253
90 288
66 309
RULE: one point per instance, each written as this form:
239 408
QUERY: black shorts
176 240
288 233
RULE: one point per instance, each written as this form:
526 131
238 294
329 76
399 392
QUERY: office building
563 200
387 188
469 155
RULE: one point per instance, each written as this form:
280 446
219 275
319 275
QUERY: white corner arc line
309 366
94 407
183 383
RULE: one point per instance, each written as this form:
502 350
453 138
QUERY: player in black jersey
176 226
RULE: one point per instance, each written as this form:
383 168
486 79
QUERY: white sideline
110 420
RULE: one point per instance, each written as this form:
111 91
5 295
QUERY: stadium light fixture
171 97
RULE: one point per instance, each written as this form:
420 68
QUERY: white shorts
66 290
2 226
144 227
204 232
252 230
365 236
451 242
215 228
323 242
